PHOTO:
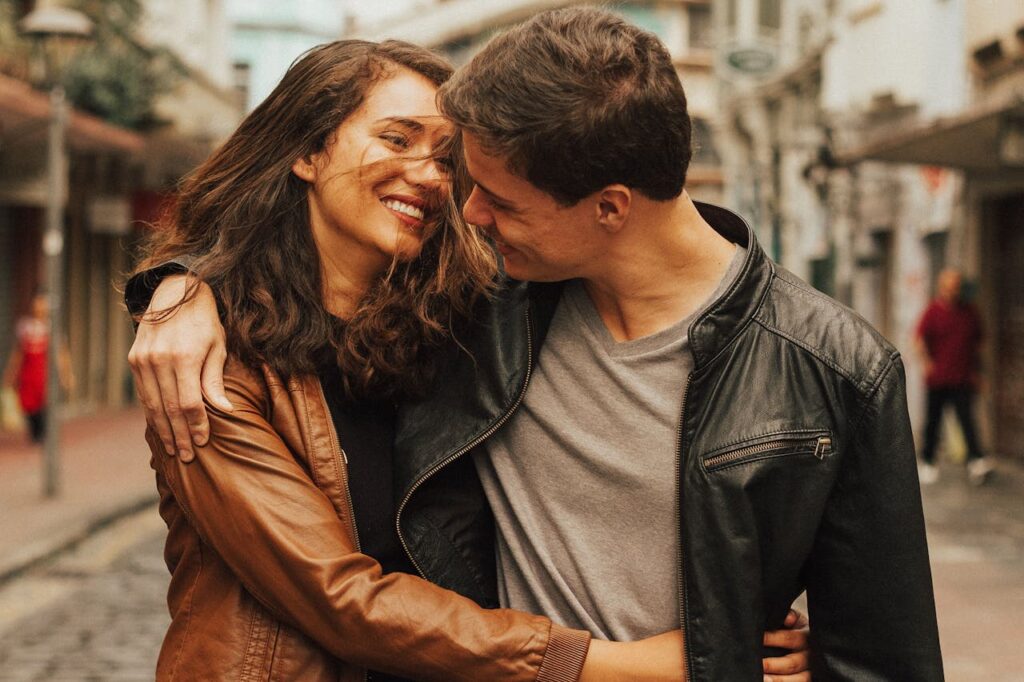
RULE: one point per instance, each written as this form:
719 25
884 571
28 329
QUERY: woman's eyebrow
410 123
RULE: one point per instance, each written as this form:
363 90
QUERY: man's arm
177 360
869 585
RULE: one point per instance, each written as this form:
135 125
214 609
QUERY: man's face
949 285
538 239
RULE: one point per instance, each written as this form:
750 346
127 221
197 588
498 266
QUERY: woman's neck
348 271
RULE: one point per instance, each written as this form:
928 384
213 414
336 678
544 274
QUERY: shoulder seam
875 385
821 358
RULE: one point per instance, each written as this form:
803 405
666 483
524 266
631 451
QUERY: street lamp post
60 31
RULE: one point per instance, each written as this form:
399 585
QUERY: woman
333 244
26 366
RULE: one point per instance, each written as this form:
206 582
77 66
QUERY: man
948 340
670 430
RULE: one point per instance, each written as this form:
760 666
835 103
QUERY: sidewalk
105 474
976 542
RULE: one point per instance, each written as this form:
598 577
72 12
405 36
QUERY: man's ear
305 168
613 205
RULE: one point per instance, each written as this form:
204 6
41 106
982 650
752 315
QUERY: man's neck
659 270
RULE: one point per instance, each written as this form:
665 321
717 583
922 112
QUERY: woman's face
376 185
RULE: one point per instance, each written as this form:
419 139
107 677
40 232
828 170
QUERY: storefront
986 241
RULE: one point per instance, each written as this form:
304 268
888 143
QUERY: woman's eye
396 139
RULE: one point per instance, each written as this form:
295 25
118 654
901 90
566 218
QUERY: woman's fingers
794 640
795 619
787 668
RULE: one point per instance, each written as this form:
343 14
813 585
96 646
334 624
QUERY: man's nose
475 212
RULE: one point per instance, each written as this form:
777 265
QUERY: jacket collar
723 320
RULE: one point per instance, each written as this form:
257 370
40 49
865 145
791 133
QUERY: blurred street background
871 143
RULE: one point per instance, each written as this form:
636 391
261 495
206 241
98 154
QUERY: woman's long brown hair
245 215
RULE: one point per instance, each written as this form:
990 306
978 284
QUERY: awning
24 113
975 141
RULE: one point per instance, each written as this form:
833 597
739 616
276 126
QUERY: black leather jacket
796 462
797 472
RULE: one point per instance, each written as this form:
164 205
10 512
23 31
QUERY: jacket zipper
472 444
822 446
681 586
339 452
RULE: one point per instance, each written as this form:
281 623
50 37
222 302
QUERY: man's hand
175 361
794 666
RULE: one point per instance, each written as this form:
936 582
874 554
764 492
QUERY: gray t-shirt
582 479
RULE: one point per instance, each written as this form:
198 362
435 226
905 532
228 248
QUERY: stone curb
38 553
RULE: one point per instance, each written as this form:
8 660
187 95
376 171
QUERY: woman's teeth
403 207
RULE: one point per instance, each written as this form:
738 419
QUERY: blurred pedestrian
27 366
948 340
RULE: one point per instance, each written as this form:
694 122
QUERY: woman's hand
655 659
175 361
794 666
660 658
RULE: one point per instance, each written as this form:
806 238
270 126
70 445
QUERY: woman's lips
409 210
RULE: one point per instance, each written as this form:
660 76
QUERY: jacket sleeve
249 498
139 289
869 585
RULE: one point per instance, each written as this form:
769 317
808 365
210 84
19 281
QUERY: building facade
118 182
267 36
846 129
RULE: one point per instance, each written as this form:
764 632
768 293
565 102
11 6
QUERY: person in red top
26 367
948 338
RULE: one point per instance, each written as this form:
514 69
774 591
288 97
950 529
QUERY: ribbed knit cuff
566 652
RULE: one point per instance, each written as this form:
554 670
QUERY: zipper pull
823 447
345 456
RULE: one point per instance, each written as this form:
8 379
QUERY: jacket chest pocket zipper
784 445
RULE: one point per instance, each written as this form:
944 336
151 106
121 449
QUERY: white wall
910 48
196 31
269 35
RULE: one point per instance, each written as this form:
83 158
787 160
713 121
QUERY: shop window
823 273
770 14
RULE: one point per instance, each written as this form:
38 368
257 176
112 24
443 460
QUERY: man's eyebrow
495 197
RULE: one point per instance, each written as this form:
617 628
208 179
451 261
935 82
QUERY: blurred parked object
11 418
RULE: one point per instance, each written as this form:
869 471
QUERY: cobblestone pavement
95 615
98 614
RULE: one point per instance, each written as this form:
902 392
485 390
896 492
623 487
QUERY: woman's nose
426 173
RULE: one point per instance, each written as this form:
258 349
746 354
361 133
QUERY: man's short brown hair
577 99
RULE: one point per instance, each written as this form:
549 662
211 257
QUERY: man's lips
504 249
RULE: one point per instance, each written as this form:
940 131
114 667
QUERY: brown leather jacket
267 582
